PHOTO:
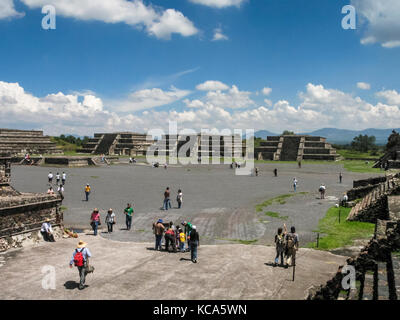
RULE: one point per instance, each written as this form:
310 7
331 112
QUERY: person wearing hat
110 220
87 191
80 258
47 231
95 220
158 229
194 243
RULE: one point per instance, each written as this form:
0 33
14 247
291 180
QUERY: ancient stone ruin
20 142
22 214
122 143
391 159
295 148
377 266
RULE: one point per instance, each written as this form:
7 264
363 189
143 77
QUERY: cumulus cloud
7 10
363 86
218 35
85 114
212 85
149 98
381 19
219 3
233 98
155 21
266 91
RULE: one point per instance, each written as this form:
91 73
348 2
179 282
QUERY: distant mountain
340 136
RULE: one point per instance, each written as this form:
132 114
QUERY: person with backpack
110 220
170 238
322 190
292 245
95 220
80 258
194 244
158 229
280 245
179 198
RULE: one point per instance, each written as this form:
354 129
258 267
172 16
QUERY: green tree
364 143
288 133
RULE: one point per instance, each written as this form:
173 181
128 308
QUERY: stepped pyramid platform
22 214
20 142
200 145
120 143
295 148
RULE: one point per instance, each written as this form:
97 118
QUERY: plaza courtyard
220 203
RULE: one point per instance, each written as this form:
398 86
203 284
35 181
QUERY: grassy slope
334 235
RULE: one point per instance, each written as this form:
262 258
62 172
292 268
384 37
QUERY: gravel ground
220 203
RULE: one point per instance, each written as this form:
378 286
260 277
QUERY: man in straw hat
47 231
80 258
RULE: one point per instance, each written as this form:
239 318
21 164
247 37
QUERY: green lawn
280 199
358 155
360 166
334 235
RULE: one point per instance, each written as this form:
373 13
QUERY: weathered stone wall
360 192
368 182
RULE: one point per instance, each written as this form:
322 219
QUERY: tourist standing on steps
63 178
280 245
50 176
47 231
80 258
179 198
87 192
292 245
194 243
110 220
167 201
295 184
129 213
158 229
95 220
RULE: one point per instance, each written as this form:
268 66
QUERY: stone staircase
373 200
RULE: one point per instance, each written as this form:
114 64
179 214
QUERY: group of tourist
176 237
287 244
110 220
167 199
60 182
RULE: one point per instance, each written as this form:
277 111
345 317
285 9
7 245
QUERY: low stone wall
360 192
368 182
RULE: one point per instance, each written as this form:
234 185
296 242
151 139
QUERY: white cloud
268 102
219 3
7 10
381 19
212 85
155 21
218 35
85 114
363 86
149 98
233 98
266 91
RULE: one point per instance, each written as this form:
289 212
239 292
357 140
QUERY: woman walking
179 198
95 220
194 244
110 220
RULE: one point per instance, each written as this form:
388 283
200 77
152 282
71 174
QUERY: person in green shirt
128 212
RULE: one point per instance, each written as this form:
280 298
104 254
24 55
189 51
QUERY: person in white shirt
63 178
47 231
322 190
58 177
179 198
295 184
50 176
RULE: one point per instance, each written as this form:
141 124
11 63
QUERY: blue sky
297 48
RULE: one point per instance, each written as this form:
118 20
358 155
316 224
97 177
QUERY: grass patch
94 177
275 215
63 208
279 199
360 166
345 153
337 235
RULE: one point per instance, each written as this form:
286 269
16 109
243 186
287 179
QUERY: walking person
158 229
87 191
47 231
95 220
167 201
275 172
187 229
322 190
340 177
299 163
295 184
292 245
179 198
129 213
280 245
63 178
80 258
194 244
50 177
110 220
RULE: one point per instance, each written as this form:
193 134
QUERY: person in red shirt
95 220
